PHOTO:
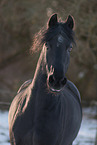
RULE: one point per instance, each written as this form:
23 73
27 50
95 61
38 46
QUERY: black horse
47 110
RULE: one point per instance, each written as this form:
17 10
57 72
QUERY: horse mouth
55 86
55 90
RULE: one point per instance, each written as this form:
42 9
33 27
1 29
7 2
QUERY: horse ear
52 21
70 22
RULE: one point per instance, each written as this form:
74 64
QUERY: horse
47 109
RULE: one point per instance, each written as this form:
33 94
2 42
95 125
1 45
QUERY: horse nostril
63 82
51 79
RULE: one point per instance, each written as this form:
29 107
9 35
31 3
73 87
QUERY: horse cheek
67 61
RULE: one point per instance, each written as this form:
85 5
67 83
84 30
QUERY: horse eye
70 47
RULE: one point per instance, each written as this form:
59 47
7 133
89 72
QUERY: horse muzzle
55 84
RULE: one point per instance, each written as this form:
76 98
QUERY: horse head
58 45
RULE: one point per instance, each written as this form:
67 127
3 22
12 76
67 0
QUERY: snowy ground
4 134
86 136
87 133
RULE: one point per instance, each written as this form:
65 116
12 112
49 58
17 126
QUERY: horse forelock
44 36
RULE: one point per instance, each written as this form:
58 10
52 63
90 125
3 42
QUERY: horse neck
40 91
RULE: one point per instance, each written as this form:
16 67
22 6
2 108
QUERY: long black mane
44 36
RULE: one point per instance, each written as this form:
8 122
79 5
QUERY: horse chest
49 116
59 121
72 119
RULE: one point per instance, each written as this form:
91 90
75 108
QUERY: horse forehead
60 38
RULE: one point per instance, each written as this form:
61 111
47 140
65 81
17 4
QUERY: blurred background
20 20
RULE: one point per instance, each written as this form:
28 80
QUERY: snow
4 134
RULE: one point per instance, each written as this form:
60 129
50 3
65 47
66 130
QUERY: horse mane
44 36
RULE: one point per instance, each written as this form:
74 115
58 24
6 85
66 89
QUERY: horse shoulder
19 101
16 113
73 89
24 85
